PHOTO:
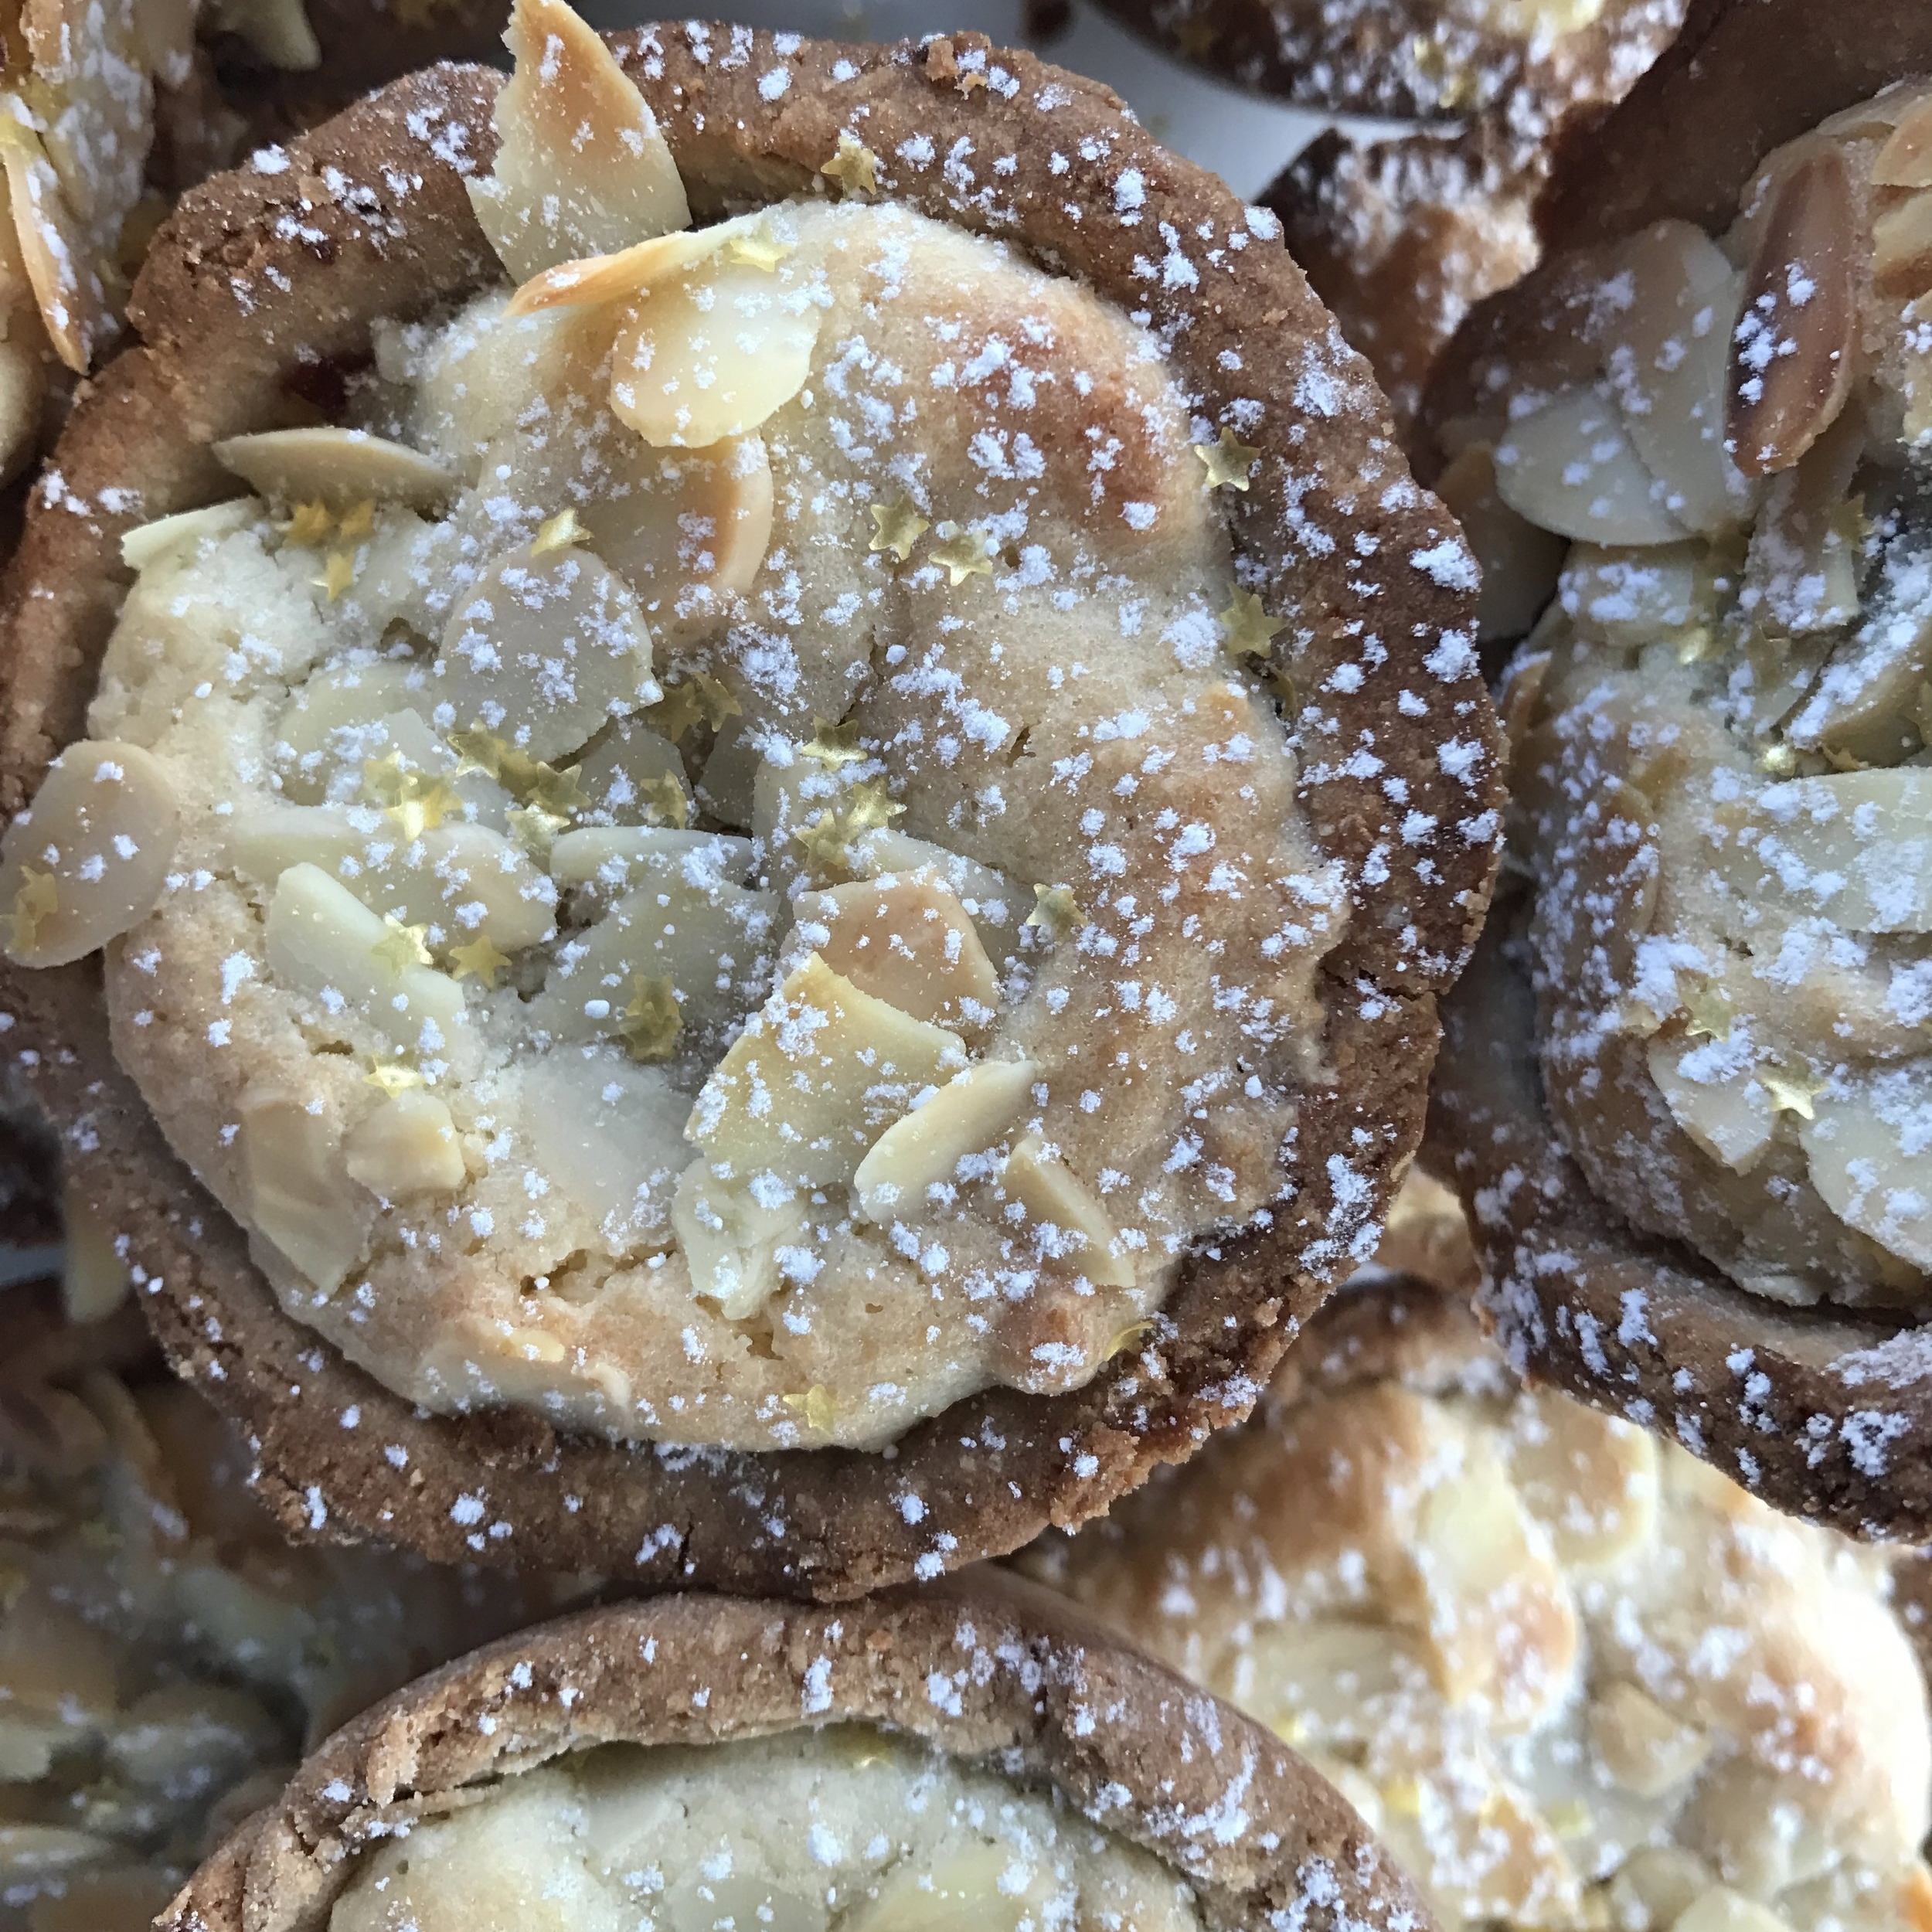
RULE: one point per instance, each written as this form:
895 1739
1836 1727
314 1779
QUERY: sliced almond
89 858
580 168
629 272
1905 161
970 1115
168 536
407 1146
25 368
818 1073
1519 561
965 1887
196 1736
1591 1480
1571 468
1721 1909
1063 1215
622 776
1868 1148
1715 1096
1802 570
1656 1885
94 1280
1666 357
334 721
908 941
1794 348
731 1239
687 529
1325 1682
322 940
53 248
1902 247
337 467
1916 374
991 898
604 1133
1641 1745
277 31
614 857
712 352
1629 598
544 651
298 1194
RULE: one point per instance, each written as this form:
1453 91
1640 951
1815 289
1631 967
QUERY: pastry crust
1370 566
1029 1678
1821 1411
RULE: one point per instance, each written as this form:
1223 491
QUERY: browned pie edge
986 1668
340 1454
1829 1414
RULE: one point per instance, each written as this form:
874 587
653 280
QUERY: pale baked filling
737 883
1571 1676
1719 728
165 1658
842 1830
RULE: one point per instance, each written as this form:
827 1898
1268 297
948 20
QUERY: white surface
1245 140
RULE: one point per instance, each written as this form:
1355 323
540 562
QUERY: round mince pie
969 1757
793 831
1690 1101
1573 1677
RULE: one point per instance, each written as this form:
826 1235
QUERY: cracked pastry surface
1571 1675
732 882
1720 724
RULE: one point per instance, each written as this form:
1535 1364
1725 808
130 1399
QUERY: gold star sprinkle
557 532
854 166
413 800
896 527
392 1077
558 793
651 1024
817 1406
834 745
870 807
757 248
479 957
338 574
1227 460
1779 760
1056 911
38 898
1248 630
1708 1013
699 696
309 524
357 521
1792 1090
664 799
535 829
962 554
401 947
824 842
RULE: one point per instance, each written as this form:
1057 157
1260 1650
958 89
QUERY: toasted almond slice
908 941
52 248
991 898
687 529
1589 1479
322 940
1867 1143
1064 1216
731 1239
970 1114
1901 247
336 467
89 858
814 1078
1795 343
1572 468
1641 1745
1715 1096
1519 561
629 272
1905 161
712 353
407 1146
1666 357
604 1132
148 542
298 1194
581 168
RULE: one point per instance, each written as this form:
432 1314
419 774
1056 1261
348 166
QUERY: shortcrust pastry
1574 1678
1723 810
975 1756
165 1658
789 818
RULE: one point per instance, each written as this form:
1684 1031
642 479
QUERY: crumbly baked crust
1819 1412
1369 565
1038 1691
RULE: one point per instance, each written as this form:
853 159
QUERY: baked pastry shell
1042 1694
223 345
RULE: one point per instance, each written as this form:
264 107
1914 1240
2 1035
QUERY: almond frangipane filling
711 861
845 1829
1571 1676
1720 726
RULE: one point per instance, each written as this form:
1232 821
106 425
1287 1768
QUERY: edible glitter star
664 799
699 696
1056 911
1708 1013
557 792
308 524
896 527
557 532
651 1024
37 899
416 801
758 247
481 957
824 842
1248 630
834 745
401 947
338 574
535 829
392 1077
1228 461
854 166
1792 1090
962 554
816 1405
